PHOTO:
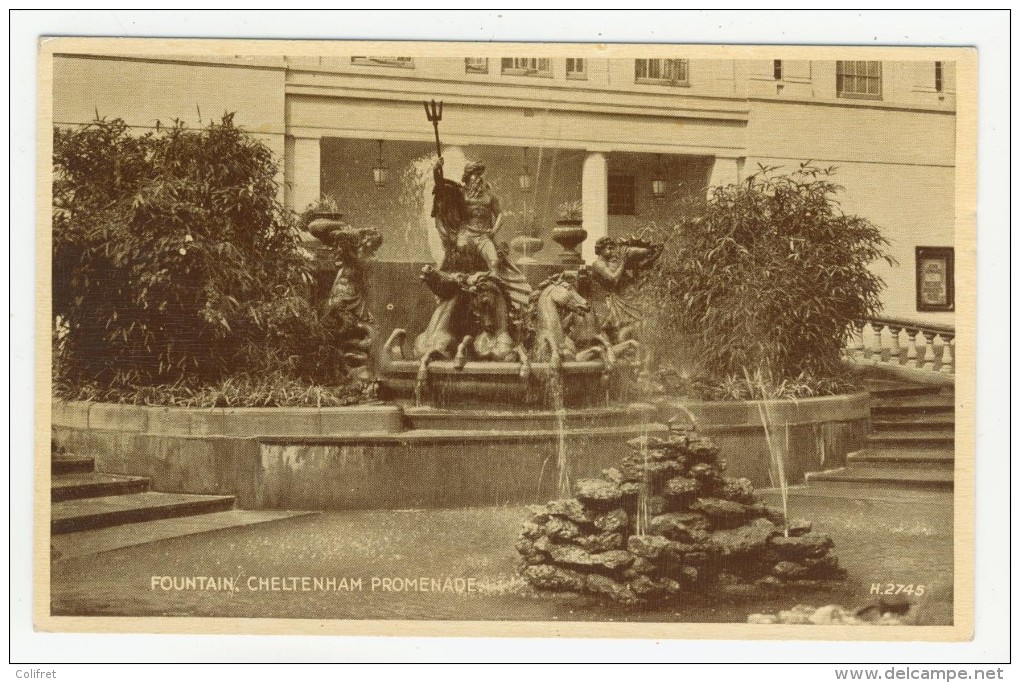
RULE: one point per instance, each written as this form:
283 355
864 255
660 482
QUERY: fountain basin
584 384
359 457
394 455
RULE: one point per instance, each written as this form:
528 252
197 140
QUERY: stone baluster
912 354
895 352
948 354
876 336
928 362
865 349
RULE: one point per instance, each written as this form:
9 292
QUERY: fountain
505 355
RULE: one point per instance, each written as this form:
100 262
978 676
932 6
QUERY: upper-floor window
939 83
859 79
777 69
665 71
577 69
526 66
476 65
400 62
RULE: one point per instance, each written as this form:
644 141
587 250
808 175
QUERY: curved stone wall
816 433
382 456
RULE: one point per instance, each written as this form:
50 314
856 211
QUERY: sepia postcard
505 339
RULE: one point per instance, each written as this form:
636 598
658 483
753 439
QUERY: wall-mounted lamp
380 172
658 183
524 179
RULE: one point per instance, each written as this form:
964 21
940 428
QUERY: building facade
625 137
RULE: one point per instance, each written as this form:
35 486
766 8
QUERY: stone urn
317 240
569 234
526 246
322 223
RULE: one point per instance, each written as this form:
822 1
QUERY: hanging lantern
658 183
524 179
380 172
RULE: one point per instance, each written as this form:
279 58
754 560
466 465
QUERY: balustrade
893 341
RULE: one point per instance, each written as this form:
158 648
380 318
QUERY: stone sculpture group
488 311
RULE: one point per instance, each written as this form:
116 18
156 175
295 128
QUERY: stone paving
406 565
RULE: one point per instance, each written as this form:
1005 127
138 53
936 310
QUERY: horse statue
553 303
471 321
585 331
489 305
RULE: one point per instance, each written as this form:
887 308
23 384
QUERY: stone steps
892 389
915 421
83 499
94 485
930 439
911 476
71 464
911 445
95 513
902 456
914 405
94 541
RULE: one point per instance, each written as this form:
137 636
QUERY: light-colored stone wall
904 84
143 92
898 168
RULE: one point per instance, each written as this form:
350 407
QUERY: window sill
531 74
383 65
662 81
857 96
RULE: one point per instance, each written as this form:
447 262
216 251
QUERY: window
938 77
777 69
862 80
514 66
934 278
476 65
399 62
621 195
665 71
577 69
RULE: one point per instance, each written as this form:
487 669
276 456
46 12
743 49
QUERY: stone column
454 161
595 201
726 170
303 169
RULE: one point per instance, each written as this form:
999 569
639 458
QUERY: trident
435 115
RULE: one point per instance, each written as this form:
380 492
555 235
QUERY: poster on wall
935 279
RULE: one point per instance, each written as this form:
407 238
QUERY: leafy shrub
770 274
175 265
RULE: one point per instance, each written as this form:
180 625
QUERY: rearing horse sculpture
554 300
489 307
472 320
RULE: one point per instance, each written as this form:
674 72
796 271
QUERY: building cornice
853 104
532 102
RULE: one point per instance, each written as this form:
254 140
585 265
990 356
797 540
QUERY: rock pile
697 528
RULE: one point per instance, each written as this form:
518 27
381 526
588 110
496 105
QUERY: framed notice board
934 278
